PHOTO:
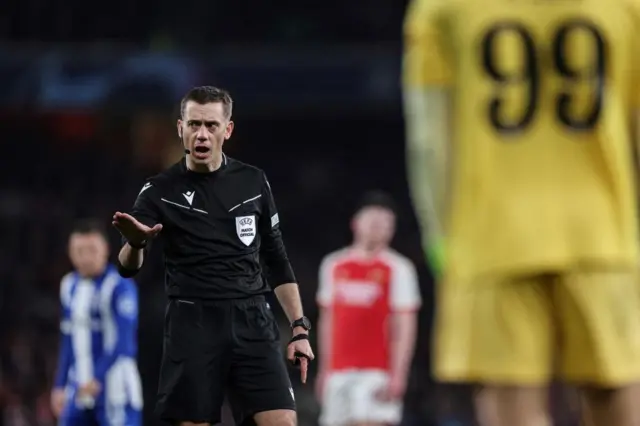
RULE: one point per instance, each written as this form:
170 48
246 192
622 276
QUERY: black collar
185 169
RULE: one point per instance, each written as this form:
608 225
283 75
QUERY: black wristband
139 246
301 336
124 272
297 355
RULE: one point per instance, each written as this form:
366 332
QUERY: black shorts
218 348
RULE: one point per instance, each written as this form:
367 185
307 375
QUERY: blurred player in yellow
519 117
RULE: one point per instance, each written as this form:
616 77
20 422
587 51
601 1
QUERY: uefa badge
246 229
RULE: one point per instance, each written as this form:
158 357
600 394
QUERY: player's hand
133 230
58 400
91 389
394 391
300 354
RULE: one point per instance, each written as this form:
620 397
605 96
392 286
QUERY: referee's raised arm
137 229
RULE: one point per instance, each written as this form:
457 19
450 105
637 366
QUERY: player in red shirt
373 289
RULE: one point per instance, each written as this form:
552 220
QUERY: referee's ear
179 125
229 130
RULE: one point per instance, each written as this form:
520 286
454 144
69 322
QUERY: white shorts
350 397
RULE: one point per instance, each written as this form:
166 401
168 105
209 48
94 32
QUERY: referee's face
89 253
203 130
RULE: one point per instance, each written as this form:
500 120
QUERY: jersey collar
225 162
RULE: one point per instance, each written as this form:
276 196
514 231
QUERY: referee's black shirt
216 228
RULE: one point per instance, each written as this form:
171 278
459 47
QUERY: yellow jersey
543 92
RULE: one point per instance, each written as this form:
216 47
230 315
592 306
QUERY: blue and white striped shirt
98 327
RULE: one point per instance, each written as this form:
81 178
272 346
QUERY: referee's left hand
299 353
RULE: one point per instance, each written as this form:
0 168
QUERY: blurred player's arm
124 308
427 97
64 352
426 118
636 110
58 394
324 337
324 299
146 215
405 302
634 13
64 358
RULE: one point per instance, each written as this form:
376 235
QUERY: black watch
302 322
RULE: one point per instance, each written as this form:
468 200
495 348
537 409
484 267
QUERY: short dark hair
206 95
377 199
89 226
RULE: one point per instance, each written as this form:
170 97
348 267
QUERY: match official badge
246 229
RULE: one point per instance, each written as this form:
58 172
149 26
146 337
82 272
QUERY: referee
217 221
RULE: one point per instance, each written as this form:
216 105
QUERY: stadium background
88 110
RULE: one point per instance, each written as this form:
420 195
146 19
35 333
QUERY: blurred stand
90 128
88 111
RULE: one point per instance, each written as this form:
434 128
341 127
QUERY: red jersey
362 293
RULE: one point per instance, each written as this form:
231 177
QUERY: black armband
125 272
139 246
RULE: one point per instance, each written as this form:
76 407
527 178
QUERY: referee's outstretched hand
132 230
300 354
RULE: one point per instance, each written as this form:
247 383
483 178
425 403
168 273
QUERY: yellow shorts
583 325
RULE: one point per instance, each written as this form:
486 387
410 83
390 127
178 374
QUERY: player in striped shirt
97 381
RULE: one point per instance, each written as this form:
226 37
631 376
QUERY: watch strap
302 322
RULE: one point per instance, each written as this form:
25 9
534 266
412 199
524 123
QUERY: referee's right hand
132 230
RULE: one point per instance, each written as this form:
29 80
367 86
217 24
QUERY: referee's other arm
136 235
280 276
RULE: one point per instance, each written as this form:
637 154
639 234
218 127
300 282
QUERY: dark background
88 109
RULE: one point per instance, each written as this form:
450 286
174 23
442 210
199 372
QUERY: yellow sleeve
425 61
634 84
634 6
426 79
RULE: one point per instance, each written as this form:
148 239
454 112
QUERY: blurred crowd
59 165
65 167
195 23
